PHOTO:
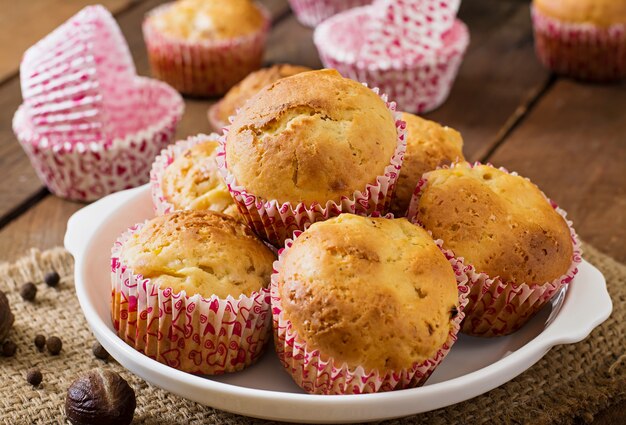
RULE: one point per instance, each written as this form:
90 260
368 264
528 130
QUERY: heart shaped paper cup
199 335
313 12
85 171
77 75
418 84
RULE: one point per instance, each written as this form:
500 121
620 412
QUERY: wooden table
568 137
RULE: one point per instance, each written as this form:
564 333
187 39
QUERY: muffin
518 247
190 290
248 87
204 47
428 146
584 39
373 300
313 12
309 147
185 177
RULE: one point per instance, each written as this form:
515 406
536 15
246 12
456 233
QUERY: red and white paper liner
418 84
313 12
497 307
275 222
207 67
213 115
580 50
87 171
316 373
76 77
199 335
166 157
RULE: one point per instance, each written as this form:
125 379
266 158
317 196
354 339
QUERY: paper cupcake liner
87 171
497 307
317 374
199 335
313 12
580 50
419 85
203 68
213 115
78 75
276 222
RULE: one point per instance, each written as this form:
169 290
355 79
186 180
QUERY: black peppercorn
9 348
28 291
54 345
34 377
99 351
454 312
52 279
40 342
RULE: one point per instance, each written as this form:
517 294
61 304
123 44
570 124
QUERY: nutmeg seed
6 317
28 291
100 397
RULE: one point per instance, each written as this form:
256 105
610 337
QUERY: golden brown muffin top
500 223
428 145
311 137
196 20
200 252
193 181
370 292
249 86
603 13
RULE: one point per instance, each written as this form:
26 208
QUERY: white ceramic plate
473 366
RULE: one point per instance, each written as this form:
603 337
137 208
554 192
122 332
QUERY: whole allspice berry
34 376
28 291
40 342
54 345
9 348
100 397
6 316
52 279
99 351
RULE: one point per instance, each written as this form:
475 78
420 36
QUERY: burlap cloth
571 383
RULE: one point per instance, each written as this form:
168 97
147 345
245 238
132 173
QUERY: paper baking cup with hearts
316 373
76 77
203 67
84 171
497 307
199 335
580 50
313 12
275 222
418 82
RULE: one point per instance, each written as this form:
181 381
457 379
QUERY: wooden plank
19 179
573 146
25 22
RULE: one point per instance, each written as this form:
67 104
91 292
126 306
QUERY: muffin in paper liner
313 12
580 50
275 222
206 67
417 83
76 77
317 374
194 334
85 171
497 307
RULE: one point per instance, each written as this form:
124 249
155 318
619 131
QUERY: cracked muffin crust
312 137
500 223
370 292
200 252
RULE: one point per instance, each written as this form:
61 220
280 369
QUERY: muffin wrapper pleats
419 85
213 115
497 307
313 12
198 335
87 171
276 222
77 76
168 155
580 50
207 67
318 374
